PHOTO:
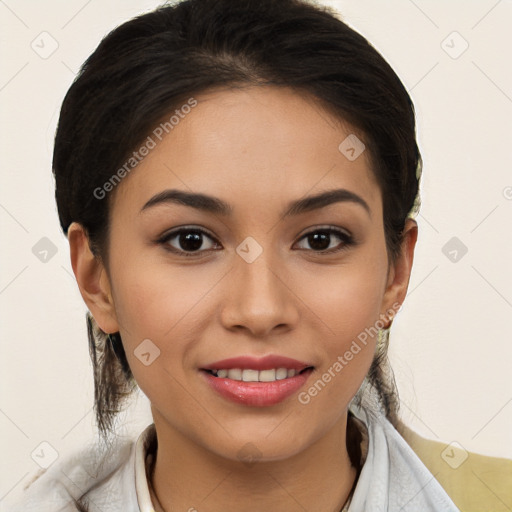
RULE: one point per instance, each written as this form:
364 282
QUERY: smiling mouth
257 381
250 375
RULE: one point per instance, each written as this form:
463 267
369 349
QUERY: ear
399 273
92 279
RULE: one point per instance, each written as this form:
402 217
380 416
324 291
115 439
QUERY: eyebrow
219 207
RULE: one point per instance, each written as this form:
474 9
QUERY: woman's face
245 280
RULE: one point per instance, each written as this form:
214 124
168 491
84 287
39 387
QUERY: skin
257 149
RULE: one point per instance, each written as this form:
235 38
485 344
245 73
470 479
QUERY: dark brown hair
145 68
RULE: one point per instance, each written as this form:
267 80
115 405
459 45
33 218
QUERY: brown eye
320 240
187 241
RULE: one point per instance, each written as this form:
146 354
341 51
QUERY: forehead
255 145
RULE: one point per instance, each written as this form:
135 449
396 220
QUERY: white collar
392 477
141 482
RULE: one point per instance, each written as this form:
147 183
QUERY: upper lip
258 363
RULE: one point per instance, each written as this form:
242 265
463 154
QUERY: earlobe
92 279
400 272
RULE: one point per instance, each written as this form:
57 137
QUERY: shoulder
93 475
393 477
474 482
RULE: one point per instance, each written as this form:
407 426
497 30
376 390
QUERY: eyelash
347 240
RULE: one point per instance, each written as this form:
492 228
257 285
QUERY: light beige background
451 346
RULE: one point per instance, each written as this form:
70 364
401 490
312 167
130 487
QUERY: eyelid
327 227
177 230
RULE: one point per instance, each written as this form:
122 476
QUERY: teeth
249 375
281 373
235 374
267 375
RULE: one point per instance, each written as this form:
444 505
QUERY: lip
258 363
257 394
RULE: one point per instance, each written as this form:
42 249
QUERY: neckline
145 465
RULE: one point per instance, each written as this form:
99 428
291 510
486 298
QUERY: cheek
153 299
351 314
168 306
348 339
348 303
347 299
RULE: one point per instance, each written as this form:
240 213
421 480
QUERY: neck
187 477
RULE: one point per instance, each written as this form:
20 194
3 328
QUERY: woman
237 181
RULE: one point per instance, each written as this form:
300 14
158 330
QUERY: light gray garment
393 478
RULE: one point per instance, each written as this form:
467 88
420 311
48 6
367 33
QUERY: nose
259 298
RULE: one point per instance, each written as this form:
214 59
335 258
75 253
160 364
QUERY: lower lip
257 394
